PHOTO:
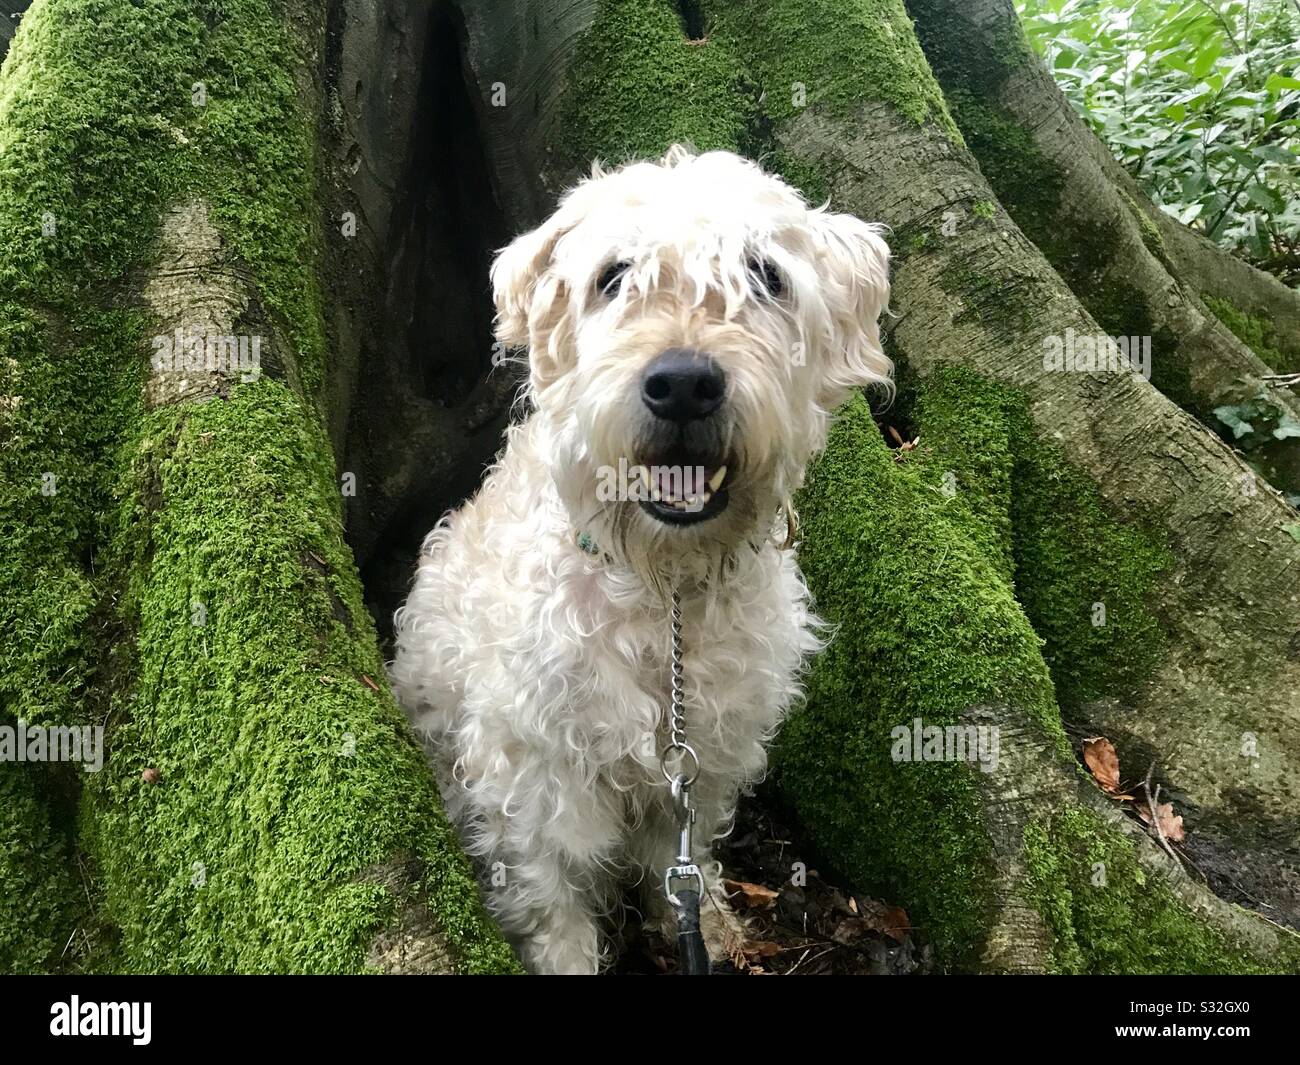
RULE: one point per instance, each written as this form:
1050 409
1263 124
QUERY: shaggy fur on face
536 671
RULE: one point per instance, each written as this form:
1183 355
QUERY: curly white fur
536 673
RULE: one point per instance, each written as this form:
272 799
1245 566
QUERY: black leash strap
692 957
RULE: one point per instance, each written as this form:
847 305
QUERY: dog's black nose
682 384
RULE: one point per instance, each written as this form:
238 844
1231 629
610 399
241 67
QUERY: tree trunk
261 806
1137 272
175 569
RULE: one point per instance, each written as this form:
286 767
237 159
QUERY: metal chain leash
692 956
677 712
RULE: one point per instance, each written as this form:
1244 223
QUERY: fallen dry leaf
755 896
880 917
873 916
894 923
749 956
1102 761
1171 824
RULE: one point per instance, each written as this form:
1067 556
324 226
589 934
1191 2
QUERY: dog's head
691 324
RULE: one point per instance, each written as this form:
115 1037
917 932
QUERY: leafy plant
1199 99
1258 415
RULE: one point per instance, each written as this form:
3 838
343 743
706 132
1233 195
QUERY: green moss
1042 520
1085 579
40 901
1151 236
975 52
83 154
917 584
253 151
1006 303
919 241
55 457
637 85
1026 182
1110 916
849 51
232 503
1258 334
1122 311
926 627
967 455
84 113
285 776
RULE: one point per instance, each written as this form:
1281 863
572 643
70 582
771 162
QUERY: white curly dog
691 324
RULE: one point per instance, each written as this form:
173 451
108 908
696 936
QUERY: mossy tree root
1015 863
262 806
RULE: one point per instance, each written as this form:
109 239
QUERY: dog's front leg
552 884
551 916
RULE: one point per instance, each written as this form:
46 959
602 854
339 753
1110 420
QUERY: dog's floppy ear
855 287
526 293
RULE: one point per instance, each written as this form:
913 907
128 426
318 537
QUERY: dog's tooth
706 497
715 482
654 494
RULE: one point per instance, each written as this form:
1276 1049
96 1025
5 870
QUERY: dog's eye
608 282
767 278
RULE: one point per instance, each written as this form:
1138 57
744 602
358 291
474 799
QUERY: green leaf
1277 82
1293 531
1275 154
1287 427
1231 417
1206 59
1194 184
1269 199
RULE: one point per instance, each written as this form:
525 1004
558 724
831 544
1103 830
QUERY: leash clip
685 869
690 872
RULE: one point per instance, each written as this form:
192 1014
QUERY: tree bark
10 12
182 579
1126 261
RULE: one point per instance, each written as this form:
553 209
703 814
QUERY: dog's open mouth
684 493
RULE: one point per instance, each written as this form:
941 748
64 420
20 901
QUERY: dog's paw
564 952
